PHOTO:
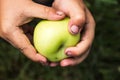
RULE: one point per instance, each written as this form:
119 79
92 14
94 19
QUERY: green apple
51 38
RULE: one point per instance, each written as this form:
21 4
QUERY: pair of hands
15 13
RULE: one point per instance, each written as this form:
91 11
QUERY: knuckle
5 28
47 11
25 47
80 18
76 53
22 49
28 52
4 31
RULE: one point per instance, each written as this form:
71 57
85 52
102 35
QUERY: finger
44 12
74 61
86 38
53 64
18 39
77 18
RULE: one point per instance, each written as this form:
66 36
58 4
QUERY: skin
15 13
81 50
80 17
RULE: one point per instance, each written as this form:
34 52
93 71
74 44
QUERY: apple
51 38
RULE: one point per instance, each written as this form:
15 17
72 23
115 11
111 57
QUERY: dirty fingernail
75 29
44 63
60 13
69 54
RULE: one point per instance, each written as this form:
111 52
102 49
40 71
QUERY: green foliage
103 62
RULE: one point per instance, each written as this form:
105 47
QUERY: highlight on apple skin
51 38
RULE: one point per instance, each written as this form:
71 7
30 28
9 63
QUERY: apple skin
51 38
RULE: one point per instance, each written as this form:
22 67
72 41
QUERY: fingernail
69 54
74 29
53 65
59 13
44 63
65 64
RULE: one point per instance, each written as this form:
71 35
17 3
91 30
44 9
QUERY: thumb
76 23
77 20
40 11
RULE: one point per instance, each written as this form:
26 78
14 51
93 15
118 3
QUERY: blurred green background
103 62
